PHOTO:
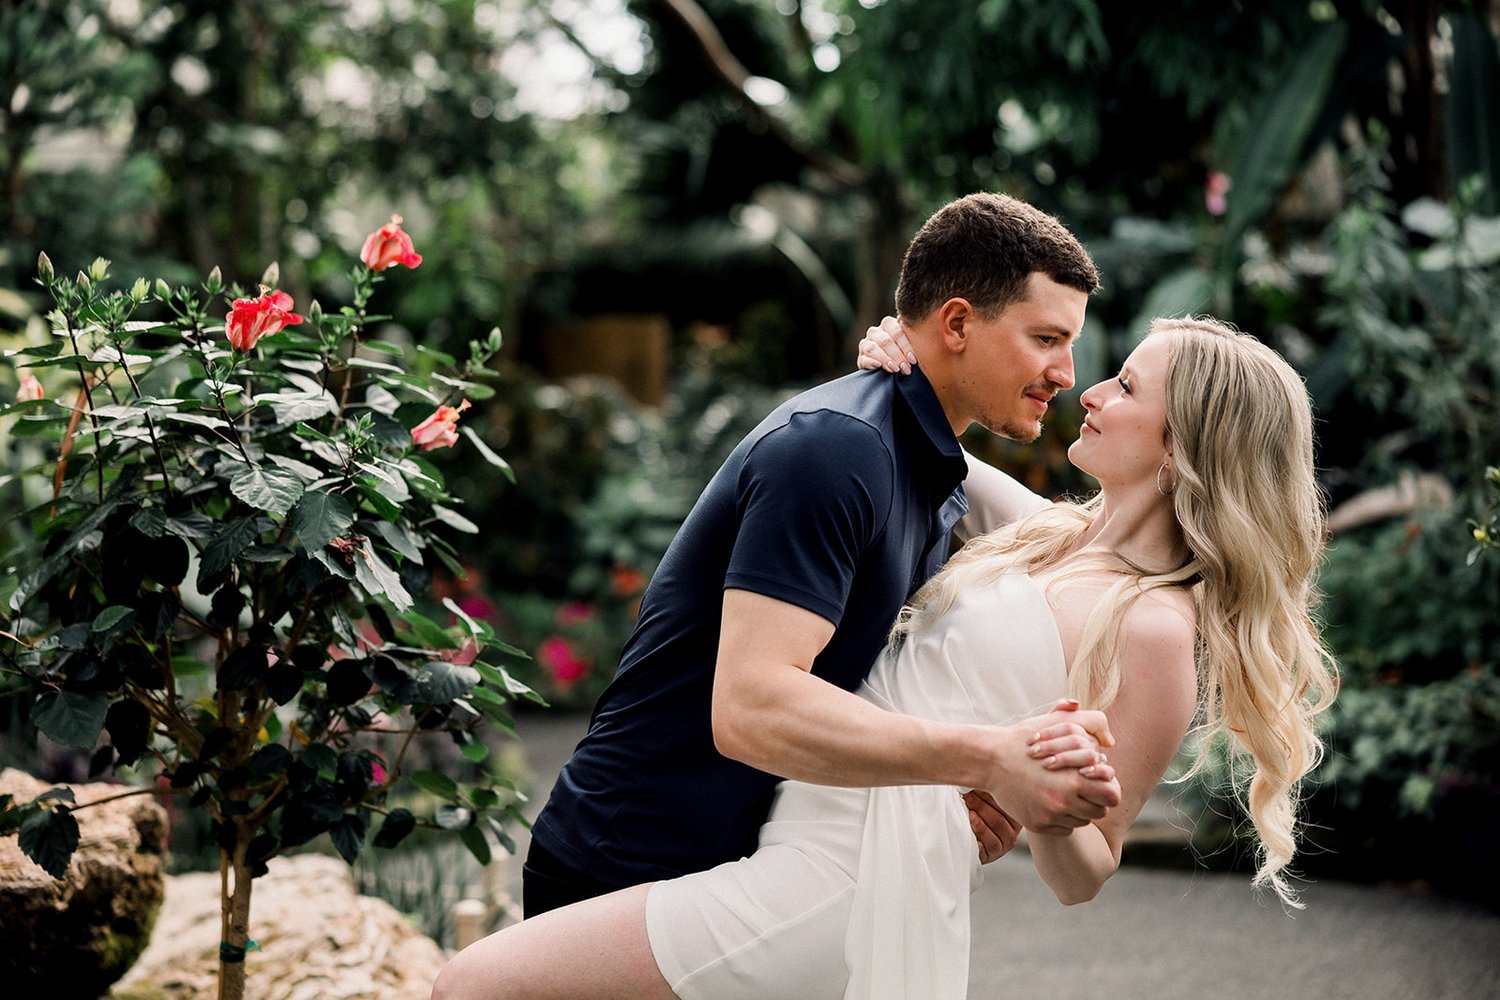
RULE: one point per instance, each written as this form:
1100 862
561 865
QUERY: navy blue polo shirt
842 501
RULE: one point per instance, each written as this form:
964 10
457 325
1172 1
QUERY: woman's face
1123 439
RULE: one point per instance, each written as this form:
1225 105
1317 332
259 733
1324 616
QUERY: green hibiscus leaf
228 543
474 839
149 521
439 682
438 784
348 835
377 578
49 838
275 490
110 617
129 725
71 718
320 517
397 825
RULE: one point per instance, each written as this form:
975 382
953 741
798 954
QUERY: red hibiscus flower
251 319
439 430
389 245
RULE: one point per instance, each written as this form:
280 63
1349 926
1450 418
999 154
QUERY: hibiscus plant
229 517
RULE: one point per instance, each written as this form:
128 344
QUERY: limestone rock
72 937
320 940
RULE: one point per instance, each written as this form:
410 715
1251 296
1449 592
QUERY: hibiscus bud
387 246
215 282
439 430
99 269
163 290
139 291
44 268
251 319
30 389
83 284
1216 193
272 277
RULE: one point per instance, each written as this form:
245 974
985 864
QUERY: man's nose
1061 374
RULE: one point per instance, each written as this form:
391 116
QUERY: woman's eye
1124 383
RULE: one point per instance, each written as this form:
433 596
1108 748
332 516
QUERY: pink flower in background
478 606
439 430
251 319
1215 193
573 613
562 661
30 389
389 245
377 772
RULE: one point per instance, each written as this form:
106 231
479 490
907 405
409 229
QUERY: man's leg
548 883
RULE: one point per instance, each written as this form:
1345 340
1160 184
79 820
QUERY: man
776 595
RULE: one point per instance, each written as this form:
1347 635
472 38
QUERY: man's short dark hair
983 247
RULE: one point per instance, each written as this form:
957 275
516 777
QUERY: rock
72 937
319 940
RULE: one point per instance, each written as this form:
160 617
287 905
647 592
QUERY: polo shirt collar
923 403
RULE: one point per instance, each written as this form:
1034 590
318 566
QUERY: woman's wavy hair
1240 425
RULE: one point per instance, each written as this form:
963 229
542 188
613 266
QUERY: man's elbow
734 735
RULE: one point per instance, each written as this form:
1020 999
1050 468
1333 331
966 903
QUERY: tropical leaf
49 838
1278 129
71 718
318 518
275 490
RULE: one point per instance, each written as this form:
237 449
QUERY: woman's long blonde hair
1240 426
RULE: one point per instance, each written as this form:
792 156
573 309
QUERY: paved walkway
1157 934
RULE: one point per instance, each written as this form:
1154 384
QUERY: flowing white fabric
995 657
859 891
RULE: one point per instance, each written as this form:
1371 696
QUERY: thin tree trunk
234 904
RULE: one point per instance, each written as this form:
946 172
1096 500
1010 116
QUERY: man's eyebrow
1060 331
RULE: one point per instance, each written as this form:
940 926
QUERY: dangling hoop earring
1165 493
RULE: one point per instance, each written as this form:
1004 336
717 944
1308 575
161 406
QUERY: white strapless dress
863 893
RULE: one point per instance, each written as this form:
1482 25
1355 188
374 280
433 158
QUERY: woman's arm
1158 695
995 500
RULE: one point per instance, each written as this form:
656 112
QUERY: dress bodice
993 657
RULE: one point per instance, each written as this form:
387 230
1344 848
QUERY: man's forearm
799 726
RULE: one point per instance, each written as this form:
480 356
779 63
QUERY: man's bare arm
770 712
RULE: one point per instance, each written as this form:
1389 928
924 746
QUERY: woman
1182 589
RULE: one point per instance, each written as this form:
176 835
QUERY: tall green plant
232 520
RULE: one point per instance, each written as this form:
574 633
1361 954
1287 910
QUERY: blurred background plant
682 210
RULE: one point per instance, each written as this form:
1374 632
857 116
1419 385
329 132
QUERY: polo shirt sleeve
812 496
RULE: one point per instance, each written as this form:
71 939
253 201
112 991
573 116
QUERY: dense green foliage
219 602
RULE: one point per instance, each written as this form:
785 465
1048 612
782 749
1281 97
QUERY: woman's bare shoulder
1162 628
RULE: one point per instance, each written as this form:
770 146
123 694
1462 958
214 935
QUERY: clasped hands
1052 799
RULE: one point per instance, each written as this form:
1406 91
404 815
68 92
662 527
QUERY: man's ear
954 317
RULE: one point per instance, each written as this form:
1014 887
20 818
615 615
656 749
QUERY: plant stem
88 395
166 478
